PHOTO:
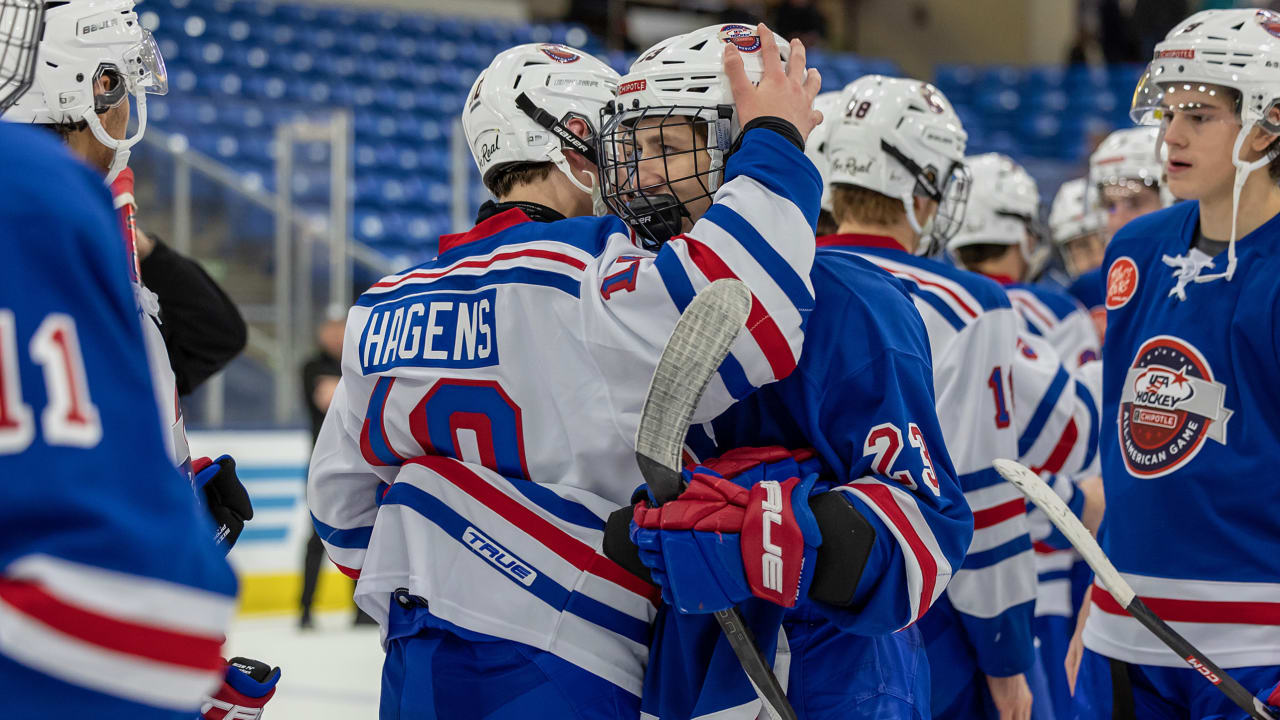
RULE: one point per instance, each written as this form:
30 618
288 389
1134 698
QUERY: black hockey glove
224 497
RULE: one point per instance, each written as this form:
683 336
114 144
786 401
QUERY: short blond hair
858 204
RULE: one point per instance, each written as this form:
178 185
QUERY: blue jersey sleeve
112 594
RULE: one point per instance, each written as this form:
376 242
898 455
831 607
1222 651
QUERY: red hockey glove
725 539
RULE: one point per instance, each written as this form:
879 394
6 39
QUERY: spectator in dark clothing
320 375
800 19
201 326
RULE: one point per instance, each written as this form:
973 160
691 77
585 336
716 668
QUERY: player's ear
577 162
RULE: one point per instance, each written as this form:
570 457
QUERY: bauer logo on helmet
741 37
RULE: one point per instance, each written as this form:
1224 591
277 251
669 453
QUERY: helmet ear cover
115 94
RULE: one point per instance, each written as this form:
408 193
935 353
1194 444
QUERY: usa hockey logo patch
559 53
1122 282
1169 404
741 37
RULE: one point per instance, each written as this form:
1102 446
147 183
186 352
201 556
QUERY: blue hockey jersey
862 396
1189 466
113 602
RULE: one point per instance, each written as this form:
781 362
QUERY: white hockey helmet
20 22
683 78
518 108
1236 49
830 105
901 138
83 41
1130 158
1075 212
1005 209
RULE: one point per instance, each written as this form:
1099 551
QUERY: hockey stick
1047 500
697 346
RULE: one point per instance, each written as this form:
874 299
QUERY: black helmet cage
656 212
21 22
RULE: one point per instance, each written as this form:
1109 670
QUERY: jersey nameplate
448 330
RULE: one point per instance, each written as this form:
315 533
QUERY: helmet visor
1144 109
144 67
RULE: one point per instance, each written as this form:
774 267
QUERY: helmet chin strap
598 206
120 160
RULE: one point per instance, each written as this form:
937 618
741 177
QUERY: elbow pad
847 540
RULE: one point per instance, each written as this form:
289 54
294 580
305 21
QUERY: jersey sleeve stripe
674 277
1043 411
980 479
760 324
1086 397
353 538
927 568
779 270
47 650
676 280
1061 451
568 547
140 640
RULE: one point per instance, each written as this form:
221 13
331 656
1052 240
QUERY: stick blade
698 345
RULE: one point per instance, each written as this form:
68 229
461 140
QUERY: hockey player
95 59
867 409
893 154
999 240
113 602
1191 297
1126 171
1054 400
484 426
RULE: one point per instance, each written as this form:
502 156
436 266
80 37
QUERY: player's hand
785 93
1012 696
224 497
741 528
1095 503
246 688
1075 650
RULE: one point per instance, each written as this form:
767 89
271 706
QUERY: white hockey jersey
513 368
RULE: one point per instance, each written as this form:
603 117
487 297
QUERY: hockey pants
433 672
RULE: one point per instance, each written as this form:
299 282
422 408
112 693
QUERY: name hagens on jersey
452 330
1169 404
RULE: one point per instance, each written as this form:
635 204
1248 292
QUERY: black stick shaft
753 662
1198 660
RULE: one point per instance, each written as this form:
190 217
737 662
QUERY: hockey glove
741 528
224 497
247 687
